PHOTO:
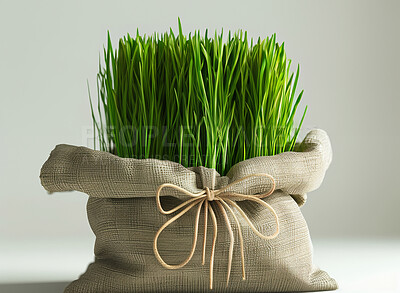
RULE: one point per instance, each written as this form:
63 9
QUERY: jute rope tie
225 201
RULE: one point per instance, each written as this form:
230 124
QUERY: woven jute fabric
122 213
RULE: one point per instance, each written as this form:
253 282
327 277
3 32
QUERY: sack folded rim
99 173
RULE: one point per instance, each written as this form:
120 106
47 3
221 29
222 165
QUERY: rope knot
210 194
224 202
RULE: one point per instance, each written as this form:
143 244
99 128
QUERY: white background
349 57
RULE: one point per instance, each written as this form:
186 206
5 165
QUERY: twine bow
224 200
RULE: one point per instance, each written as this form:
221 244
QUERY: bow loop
225 200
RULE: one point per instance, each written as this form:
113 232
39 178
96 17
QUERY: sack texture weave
123 214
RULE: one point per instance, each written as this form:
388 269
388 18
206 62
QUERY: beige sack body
242 250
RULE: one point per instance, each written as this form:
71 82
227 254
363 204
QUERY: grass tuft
196 100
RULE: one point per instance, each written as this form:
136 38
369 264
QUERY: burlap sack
123 214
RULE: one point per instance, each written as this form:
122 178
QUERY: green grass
196 100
